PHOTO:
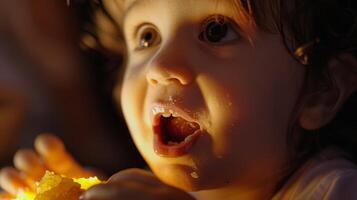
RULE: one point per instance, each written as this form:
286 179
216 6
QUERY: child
237 99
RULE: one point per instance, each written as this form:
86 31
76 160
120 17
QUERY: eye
218 29
148 36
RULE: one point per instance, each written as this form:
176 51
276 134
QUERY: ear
320 107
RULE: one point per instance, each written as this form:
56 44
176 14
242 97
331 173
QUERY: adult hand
135 184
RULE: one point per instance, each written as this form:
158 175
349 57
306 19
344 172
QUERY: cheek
133 88
132 96
219 104
249 107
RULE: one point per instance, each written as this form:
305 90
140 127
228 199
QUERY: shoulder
343 185
324 178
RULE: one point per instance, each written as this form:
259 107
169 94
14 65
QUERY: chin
181 177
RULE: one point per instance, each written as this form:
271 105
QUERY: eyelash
222 23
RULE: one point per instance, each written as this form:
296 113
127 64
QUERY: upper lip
160 108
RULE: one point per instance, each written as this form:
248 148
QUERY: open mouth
174 132
176 129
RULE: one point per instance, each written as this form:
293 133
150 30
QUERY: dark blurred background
55 77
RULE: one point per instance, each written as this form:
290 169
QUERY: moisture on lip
167 110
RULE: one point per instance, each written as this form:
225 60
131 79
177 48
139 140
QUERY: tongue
177 129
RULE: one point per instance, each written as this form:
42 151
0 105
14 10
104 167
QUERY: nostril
174 81
153 81
166 76
164 81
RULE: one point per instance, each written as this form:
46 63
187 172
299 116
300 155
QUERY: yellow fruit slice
57 187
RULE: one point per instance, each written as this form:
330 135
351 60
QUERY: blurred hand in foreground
134 184
31 165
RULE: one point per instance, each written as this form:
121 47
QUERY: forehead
265 15
121 5
120 8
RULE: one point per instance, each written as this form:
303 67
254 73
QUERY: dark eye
148 36
218 29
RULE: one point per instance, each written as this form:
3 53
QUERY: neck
261 189
236 192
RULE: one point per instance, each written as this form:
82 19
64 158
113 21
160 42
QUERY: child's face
238 87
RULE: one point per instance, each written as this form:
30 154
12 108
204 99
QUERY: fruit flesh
57 187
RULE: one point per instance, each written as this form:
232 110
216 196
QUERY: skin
244 93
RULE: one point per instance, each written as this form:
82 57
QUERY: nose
170 66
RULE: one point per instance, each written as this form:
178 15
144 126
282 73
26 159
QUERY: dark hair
316 31
101 42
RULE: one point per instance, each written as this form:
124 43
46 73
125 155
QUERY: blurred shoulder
328 176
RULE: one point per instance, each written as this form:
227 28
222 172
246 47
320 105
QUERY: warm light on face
51 185
207 59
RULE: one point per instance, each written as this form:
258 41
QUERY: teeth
157 110
166 114
188 137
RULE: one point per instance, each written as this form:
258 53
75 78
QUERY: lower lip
173 150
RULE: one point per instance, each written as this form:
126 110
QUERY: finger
12 181
108 192
133 190
144 182
135 175
56 157
126 184
29 162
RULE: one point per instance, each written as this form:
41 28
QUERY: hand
135 184
30 165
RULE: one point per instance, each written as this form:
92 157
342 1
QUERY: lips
175 131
